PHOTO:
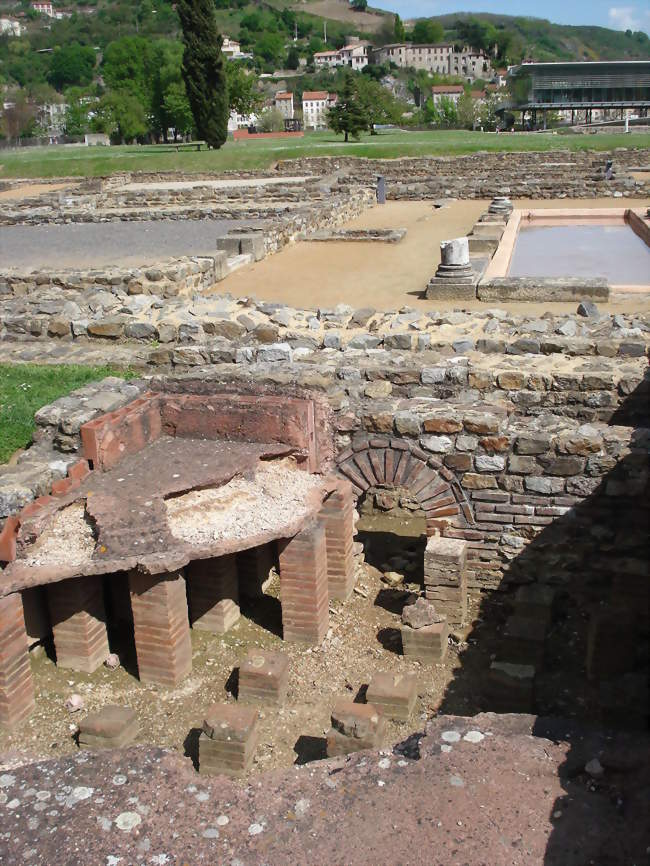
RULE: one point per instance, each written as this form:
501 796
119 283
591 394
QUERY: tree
177 108
400 33
120 114
243 96
348 115
293 58
427 31
359 5
271 120
204 70
72 65
466 111
19 118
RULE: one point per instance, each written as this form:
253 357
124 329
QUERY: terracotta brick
161 627
354 727
394 694
112 727
427 644
79 471
264 677
16 686
213 593
337 516
228 741
78 620
303 585
8 538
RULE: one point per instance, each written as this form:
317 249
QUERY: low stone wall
515 475
552 174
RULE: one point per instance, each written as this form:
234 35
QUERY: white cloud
628 18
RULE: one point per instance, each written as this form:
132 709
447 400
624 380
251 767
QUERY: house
355 54
324 59
44 9
470 63
315 105
432 58
441 58
51 118
10 27
283 101
451 92
241 121
231 50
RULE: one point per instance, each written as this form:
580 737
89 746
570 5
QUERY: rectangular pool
614 252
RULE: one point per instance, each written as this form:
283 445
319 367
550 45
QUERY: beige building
356 55
315 105
442 59
432 58
283 101
452 92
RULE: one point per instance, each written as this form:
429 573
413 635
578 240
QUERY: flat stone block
354 727
535 602
448 290
428 644
111 727
229 739
510 687
394 694
444 561
523 640
264 677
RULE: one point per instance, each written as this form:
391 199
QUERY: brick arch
400 463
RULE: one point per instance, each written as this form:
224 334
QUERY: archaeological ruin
354 553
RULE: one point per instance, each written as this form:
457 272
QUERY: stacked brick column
303 585
337 515
213 593
78 623
161 627
253 568
445 577
16 687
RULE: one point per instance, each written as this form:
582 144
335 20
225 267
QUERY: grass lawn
65 160
24 388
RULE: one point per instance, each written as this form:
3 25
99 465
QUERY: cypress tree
204 70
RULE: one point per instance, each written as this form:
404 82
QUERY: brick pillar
445 577
213 593
78 623
303 585
16 686
253 567
337 514
161 627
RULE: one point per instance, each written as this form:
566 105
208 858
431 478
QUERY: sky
629 15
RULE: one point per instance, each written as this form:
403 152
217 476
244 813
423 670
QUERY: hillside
538 39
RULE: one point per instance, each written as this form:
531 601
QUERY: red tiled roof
315 94
447 88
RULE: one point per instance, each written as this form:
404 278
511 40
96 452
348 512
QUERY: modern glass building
561 86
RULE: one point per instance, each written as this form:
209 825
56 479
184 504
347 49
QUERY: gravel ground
124 244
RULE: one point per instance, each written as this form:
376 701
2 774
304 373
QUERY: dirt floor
387 276
363 639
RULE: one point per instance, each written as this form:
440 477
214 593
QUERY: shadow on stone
191 746
232 683
392 600
310 749
390 639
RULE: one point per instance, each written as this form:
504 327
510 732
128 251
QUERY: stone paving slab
482 789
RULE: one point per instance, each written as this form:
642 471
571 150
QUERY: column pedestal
78 623
303 585
16 686
337 515
213 593
161 627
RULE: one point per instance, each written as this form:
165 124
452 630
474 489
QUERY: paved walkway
91 245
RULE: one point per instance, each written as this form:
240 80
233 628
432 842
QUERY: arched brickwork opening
387 462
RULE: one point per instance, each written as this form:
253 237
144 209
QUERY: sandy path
28 190
384 276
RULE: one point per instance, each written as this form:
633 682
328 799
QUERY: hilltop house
441 58
283 101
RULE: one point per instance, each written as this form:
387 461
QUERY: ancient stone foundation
16 687
111 728
303 585
263 678
445 577
213 593
354 727
394 694
79 623
228 741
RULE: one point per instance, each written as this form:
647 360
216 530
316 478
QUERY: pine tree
348 115
204 70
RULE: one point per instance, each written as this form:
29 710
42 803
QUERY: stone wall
553 174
